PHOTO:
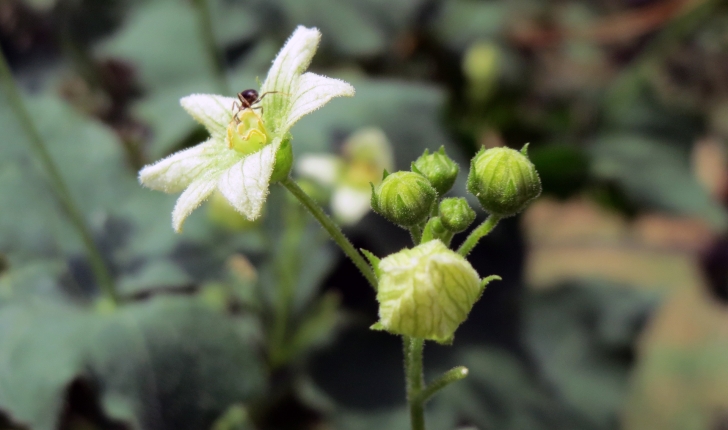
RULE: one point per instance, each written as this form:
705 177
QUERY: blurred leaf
681 379
364 28
161 39
582 337
171 363
317 326
462 22
655 174
168 363
36 226
40 345
500 393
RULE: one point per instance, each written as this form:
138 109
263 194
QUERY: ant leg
235 114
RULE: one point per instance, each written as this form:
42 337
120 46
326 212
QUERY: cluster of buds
428 291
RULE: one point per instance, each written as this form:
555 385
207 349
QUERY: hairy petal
291 61
312 92
245 185
177 171
212 111
193 197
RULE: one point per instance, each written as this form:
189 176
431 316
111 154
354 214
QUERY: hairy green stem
208 38
413 349
447 378
416 234
481 231
101 272
332 228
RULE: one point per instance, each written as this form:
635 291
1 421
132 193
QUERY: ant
248 99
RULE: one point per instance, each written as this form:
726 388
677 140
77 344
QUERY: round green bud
405 198
504 180
426 292
438 168
456 214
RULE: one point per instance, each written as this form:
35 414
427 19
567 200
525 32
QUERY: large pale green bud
504 180
426 292
438 168
405 198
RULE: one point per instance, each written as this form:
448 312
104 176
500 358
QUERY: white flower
239 157
365 155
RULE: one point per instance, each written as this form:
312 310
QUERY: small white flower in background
239 157
364 157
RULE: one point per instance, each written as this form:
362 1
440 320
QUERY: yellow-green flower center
246 133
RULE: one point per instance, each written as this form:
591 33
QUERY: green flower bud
405 198
456 214
504 180
426 292
438 168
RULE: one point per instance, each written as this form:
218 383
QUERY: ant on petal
248 99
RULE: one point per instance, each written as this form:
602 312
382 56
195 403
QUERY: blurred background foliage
612 313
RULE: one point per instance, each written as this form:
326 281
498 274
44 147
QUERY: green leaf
581 336
462 22
656 174
40 354
317 327
167 363
500 392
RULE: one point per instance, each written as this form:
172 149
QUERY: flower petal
291 61
177 171
323 168
246 183
312 92
350 204
212 111
193 197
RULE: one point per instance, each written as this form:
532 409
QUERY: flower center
246 133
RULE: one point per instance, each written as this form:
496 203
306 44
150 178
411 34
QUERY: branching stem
481 231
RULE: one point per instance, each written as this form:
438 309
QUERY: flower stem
208 38
332 228
416 234
101 272
481 231
447 378
413 349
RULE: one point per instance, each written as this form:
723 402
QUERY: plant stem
332 228
208 38
416 234
447 378
413 349
101 272
477 234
